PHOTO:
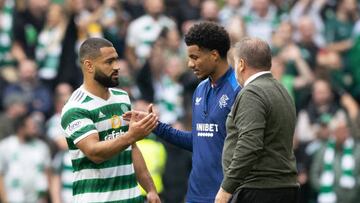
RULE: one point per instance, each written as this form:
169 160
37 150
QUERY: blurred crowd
316 49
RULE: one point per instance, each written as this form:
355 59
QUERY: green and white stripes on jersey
113 180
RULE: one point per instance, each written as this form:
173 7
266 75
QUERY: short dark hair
255 52
210 36
90 48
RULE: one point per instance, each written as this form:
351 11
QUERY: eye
193 57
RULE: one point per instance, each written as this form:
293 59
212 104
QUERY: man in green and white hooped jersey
107 163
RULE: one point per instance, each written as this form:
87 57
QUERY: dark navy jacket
210 107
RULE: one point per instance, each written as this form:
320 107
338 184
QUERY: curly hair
210 36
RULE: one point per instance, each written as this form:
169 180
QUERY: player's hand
153 197
140 128
222 196
140 114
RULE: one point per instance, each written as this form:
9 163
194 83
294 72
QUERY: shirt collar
222 78
256 75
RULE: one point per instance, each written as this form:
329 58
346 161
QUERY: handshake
141 123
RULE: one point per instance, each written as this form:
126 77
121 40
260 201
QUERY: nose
116 65
191 64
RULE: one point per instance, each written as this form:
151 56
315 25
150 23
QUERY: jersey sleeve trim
85 135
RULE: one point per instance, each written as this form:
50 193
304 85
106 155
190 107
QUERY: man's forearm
3 197
179 138
142 174
99 152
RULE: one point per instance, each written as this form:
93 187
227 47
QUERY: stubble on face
108 57
199 62
104 80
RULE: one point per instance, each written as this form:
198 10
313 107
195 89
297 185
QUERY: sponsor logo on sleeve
74 126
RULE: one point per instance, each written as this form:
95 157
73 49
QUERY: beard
29 138
105 80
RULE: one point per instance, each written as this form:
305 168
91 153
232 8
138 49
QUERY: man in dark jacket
258 159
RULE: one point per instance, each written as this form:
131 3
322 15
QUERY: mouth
196 72
115 75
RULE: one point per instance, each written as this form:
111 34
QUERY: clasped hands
141 124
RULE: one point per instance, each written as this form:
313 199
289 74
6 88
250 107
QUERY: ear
241 65
215 55
88 66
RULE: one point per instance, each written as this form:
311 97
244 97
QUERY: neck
263 13
250 72
21 137
342 15
155 16
36 13
96 89
220 70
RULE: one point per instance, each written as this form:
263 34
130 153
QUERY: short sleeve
77 124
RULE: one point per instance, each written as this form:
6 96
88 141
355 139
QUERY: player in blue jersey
207 46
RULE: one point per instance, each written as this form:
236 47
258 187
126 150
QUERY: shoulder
78 106
201 86
8 141
141 21
231 80
76 100
117 91
203 83
41 145
168 22
120 95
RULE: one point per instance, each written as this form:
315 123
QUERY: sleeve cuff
157 130
229 185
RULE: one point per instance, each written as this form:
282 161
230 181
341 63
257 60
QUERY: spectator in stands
292 82
236 29
335 168
209 11
53 125
305 38
282 37
27 26
37 96
322 106
24 164
312 10
62 174
61 177
68 67
339 26
115 21
341 37
14 107
144 31
261 20
49 46
353 110
7 8
231 9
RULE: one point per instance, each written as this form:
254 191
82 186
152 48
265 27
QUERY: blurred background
316 56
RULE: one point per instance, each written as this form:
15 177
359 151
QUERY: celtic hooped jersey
110 181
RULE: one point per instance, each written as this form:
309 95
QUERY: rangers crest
223 101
